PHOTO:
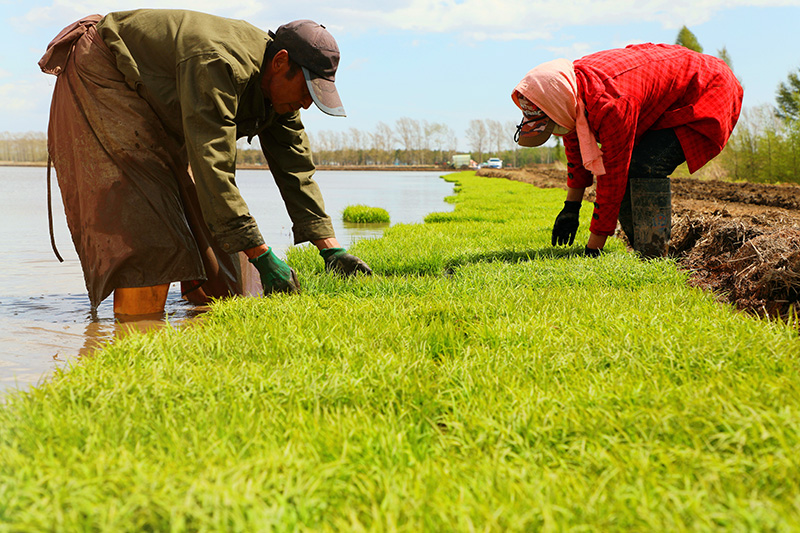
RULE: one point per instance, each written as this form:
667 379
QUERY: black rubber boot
651 207
626 216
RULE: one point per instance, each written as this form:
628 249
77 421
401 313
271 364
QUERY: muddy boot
651 206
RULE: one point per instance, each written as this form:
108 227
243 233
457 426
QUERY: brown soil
740 240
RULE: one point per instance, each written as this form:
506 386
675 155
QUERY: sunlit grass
364 214
481 380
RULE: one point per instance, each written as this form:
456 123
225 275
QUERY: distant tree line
23 147
414 142
764 147
409 142
417 143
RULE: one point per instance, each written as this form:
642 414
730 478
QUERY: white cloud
24 98
522 19
18 97
474 19
572 52
65 11
357 64
623 44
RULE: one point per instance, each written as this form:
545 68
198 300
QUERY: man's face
287 91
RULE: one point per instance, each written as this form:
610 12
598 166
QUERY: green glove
276 276
338 260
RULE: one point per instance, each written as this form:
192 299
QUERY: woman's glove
566 225
592 252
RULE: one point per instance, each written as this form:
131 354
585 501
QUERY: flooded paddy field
45 316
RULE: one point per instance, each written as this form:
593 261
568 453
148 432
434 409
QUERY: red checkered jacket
631 90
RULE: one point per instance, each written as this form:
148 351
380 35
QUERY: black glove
566 225
592 252
338 260
276 276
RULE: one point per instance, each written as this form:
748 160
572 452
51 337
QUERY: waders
140 300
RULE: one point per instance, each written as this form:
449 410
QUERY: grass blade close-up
480 380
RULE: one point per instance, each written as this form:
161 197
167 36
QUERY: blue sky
445 61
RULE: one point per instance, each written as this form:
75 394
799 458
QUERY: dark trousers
657 154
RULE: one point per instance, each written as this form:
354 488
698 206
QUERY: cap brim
324 94
536 138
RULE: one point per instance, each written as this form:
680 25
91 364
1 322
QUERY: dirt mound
751 265
546 177
762 194
740 240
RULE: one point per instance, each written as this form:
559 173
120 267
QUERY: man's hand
566 225
276 276
338 260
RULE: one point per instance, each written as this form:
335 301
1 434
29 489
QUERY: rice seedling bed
481 380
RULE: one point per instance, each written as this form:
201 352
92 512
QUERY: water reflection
45 316
41 333
363 230
99 333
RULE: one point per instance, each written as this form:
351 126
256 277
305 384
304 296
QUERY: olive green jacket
202 75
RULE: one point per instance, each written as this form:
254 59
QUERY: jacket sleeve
577 175
288 153
616 133
207 89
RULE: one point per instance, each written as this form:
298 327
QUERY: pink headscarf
553 87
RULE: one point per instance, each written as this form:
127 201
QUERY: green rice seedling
363 214
480 380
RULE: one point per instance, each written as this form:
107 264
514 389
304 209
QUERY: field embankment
740 240
248 166
481 380
381 168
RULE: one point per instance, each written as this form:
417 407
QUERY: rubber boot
651 206
626 216
140 301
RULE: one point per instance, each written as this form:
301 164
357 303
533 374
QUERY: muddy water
45 317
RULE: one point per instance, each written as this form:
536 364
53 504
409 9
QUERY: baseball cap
535 127
312 47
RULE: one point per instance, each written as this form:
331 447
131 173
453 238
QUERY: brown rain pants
130 202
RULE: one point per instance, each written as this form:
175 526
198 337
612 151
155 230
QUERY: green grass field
481 380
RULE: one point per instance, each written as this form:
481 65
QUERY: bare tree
23 147
409 133
750 159
320 140
477 137
338 140
496 132
357 146
440 140
509 143
382 143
